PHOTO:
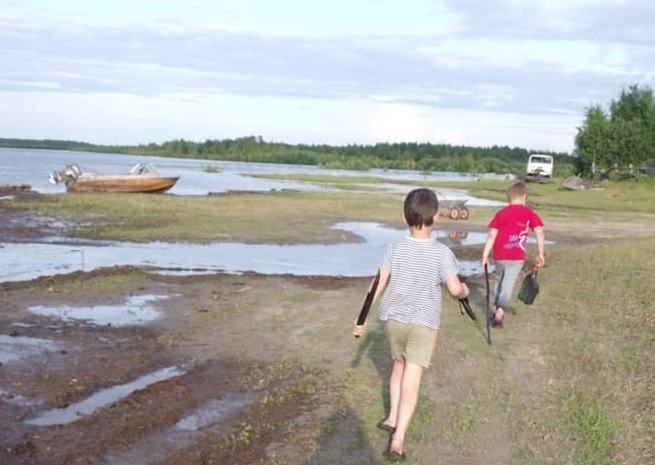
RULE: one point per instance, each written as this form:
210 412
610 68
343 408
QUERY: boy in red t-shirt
508 234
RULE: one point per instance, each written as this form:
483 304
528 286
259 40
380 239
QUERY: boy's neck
423 232
518 200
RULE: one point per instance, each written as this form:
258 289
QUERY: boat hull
121 183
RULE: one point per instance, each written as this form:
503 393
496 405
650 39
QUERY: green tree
625 136
633 116
466 163
592 139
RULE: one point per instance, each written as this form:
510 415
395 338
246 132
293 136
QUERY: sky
478 73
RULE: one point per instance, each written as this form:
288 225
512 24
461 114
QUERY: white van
540 165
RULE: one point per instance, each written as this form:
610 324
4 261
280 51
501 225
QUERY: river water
24 261
27 166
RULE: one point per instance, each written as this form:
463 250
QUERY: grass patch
612 196
599 303
210 169
465 421
117 283
594 431
305 217
277 217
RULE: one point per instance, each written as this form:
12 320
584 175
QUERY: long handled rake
487 308
465 307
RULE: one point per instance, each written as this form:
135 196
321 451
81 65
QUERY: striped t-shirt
418 269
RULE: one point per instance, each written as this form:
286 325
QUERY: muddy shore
233 394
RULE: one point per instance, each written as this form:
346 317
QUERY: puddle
134 311
15 348
101 399
182 434
15 399
28 261
213 412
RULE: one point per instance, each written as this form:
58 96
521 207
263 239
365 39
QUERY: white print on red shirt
518 241
523 235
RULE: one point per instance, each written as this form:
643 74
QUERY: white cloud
506 72
397 123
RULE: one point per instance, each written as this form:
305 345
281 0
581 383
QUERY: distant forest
424 157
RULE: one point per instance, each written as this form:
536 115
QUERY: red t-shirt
513 223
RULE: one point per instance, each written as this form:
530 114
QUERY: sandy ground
227 382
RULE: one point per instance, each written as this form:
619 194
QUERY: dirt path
245 369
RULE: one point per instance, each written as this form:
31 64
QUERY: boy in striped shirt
413 272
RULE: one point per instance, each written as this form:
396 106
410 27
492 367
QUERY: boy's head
517 192
421 206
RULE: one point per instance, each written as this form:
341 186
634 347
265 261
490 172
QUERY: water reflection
101 399
29 261
134 311
214 411
16 399
17 347
159 445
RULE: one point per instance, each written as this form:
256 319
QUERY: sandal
384 427
394 456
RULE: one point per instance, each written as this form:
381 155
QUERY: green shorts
412 342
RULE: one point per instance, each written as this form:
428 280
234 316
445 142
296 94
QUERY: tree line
424 157
620 136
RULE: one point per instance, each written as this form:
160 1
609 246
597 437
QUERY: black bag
529 288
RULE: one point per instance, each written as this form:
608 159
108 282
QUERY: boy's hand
540 261
465 292
359 330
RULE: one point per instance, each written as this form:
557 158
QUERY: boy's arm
539 232
382 284
491 238
457 288
358 330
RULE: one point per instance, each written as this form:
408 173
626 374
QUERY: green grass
593 431
307 217
211 169
596 307
278 217
104 284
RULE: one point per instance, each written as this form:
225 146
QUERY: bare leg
411 381
395 383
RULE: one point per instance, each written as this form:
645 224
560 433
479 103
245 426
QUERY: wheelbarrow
454 209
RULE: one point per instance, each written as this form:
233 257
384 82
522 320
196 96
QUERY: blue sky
470 72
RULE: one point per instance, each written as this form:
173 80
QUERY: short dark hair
420 207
